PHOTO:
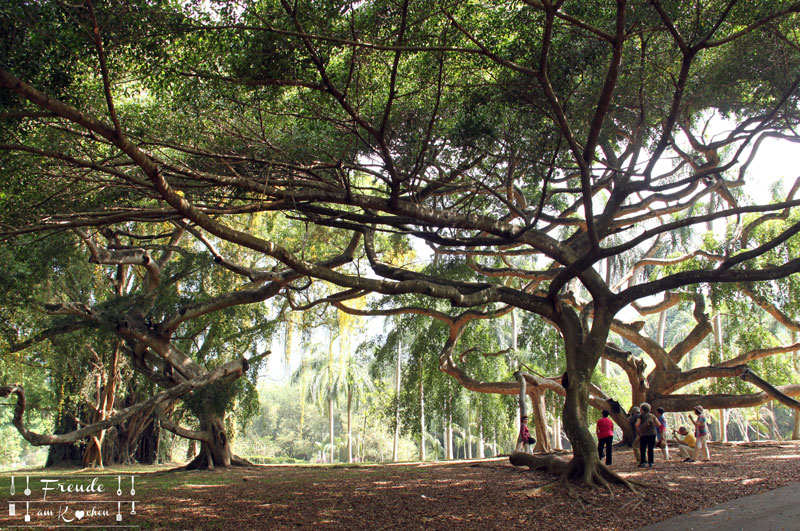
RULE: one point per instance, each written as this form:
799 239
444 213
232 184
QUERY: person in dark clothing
647 428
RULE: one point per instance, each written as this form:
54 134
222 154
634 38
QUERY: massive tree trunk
539 420
585 458
146 452
215 450
64 454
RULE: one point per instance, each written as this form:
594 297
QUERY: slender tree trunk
723 414
723 426
349 426
481 442
330 426
468 440
422 453
522 412
774 434
556 433
396 445
539 421
796 429
450 441
745 429
448 429
519 413
191 450
363 452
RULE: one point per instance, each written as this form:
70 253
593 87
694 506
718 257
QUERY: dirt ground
486 494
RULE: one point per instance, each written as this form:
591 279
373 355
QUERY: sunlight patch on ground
787 456
753 480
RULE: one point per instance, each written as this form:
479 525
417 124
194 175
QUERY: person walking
647 428
605 436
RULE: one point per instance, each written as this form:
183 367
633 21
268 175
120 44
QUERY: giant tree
526 142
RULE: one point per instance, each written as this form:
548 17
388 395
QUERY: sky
776 159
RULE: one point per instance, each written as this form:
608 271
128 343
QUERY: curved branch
204 436
759 353
236 368
770 308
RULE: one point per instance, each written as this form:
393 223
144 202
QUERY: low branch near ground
552 463
236 368
676 402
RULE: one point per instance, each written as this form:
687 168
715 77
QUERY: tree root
541 488
206 462
591 475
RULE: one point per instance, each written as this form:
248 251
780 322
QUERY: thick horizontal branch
233 368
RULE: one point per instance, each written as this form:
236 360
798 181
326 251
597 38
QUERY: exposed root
598 477
241 461
593 475
610 477
541 488
631 505
576 498
204 461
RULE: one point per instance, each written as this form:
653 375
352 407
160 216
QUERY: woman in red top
524 439
605 436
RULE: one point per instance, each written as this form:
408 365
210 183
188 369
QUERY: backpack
648 424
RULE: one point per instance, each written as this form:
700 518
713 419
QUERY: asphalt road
775 510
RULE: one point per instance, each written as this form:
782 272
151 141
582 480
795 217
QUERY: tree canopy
303 149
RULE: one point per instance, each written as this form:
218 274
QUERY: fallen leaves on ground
485 494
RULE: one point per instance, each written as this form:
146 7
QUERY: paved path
775 510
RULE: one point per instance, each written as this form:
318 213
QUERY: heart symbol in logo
79 514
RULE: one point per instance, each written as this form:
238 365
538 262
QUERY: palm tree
336 375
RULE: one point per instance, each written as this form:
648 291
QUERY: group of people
651 432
